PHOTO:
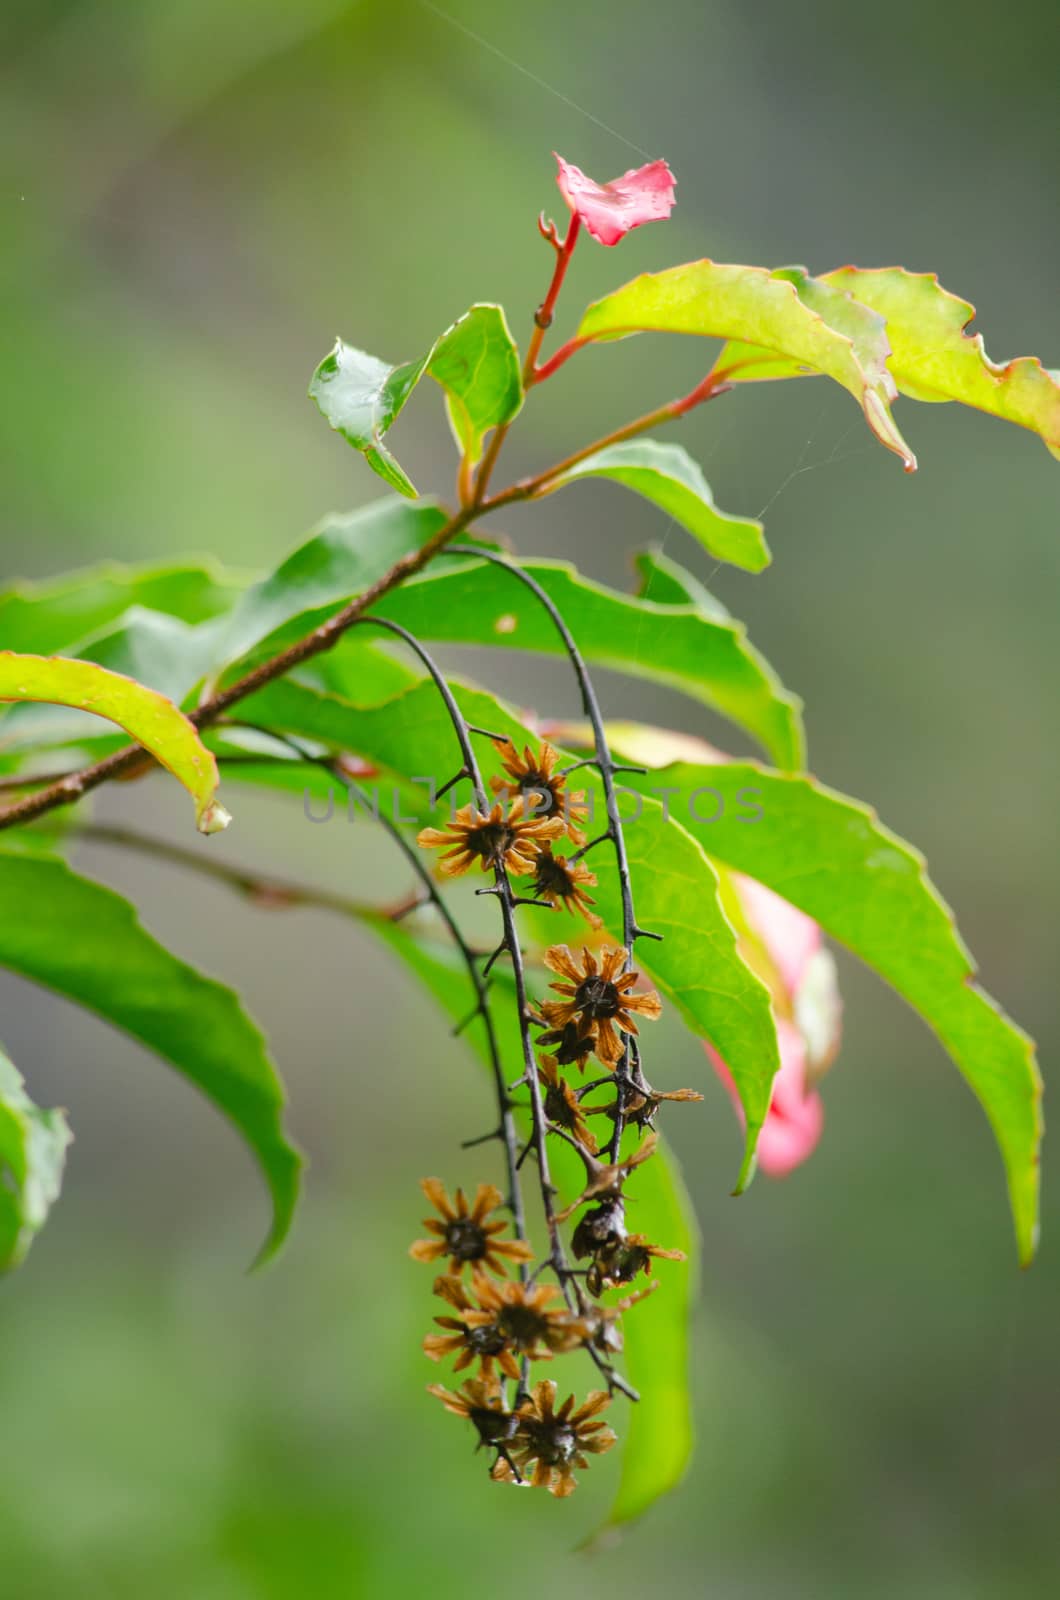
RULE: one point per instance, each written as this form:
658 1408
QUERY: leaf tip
749 1167
213 818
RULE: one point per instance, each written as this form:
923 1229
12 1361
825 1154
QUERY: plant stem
542 484
269 891
604 762
532 373
74 785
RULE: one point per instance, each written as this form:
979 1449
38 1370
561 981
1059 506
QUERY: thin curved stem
557 1257
627 1070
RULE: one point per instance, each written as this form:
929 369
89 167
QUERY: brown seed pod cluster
499 1325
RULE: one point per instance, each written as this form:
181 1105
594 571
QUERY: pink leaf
609 210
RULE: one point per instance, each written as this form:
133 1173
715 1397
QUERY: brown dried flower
605 1181
480 1401
519 1313
619 1261
562 884
642 1104
598 995
597 1327
464 1233
490 839
562 1105
548 1443
572 1044
468 1341
536 776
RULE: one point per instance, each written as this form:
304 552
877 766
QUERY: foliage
315 680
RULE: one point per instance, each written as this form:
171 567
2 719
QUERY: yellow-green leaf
934 358
759 308
147 716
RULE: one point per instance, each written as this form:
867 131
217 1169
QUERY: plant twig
627 1069
543 482
74 785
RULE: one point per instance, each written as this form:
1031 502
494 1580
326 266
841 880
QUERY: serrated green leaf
756 307
85 942
666 475
866 329
147 716
476 363
933 358
830 856
32 1153
711 661
698 965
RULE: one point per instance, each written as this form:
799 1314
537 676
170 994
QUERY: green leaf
663 580
147 716
659 1437
760 308
45 618
712 661
666 475
32 1153
476 363
869 889
698 965
85 942
360 396
933 358
345 556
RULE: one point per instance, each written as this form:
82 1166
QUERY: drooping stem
627 1069
510 945
261 887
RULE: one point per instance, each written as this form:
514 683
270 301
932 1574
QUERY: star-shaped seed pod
562 1106
465 1340
481 1403
598 995
536 780
465 1233
561 884
490 839
549 1443
605 1182
620 1261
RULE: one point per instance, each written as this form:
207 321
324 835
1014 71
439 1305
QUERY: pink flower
785 948
609 210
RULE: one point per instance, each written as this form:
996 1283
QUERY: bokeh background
195 198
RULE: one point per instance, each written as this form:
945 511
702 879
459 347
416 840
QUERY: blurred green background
196 197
